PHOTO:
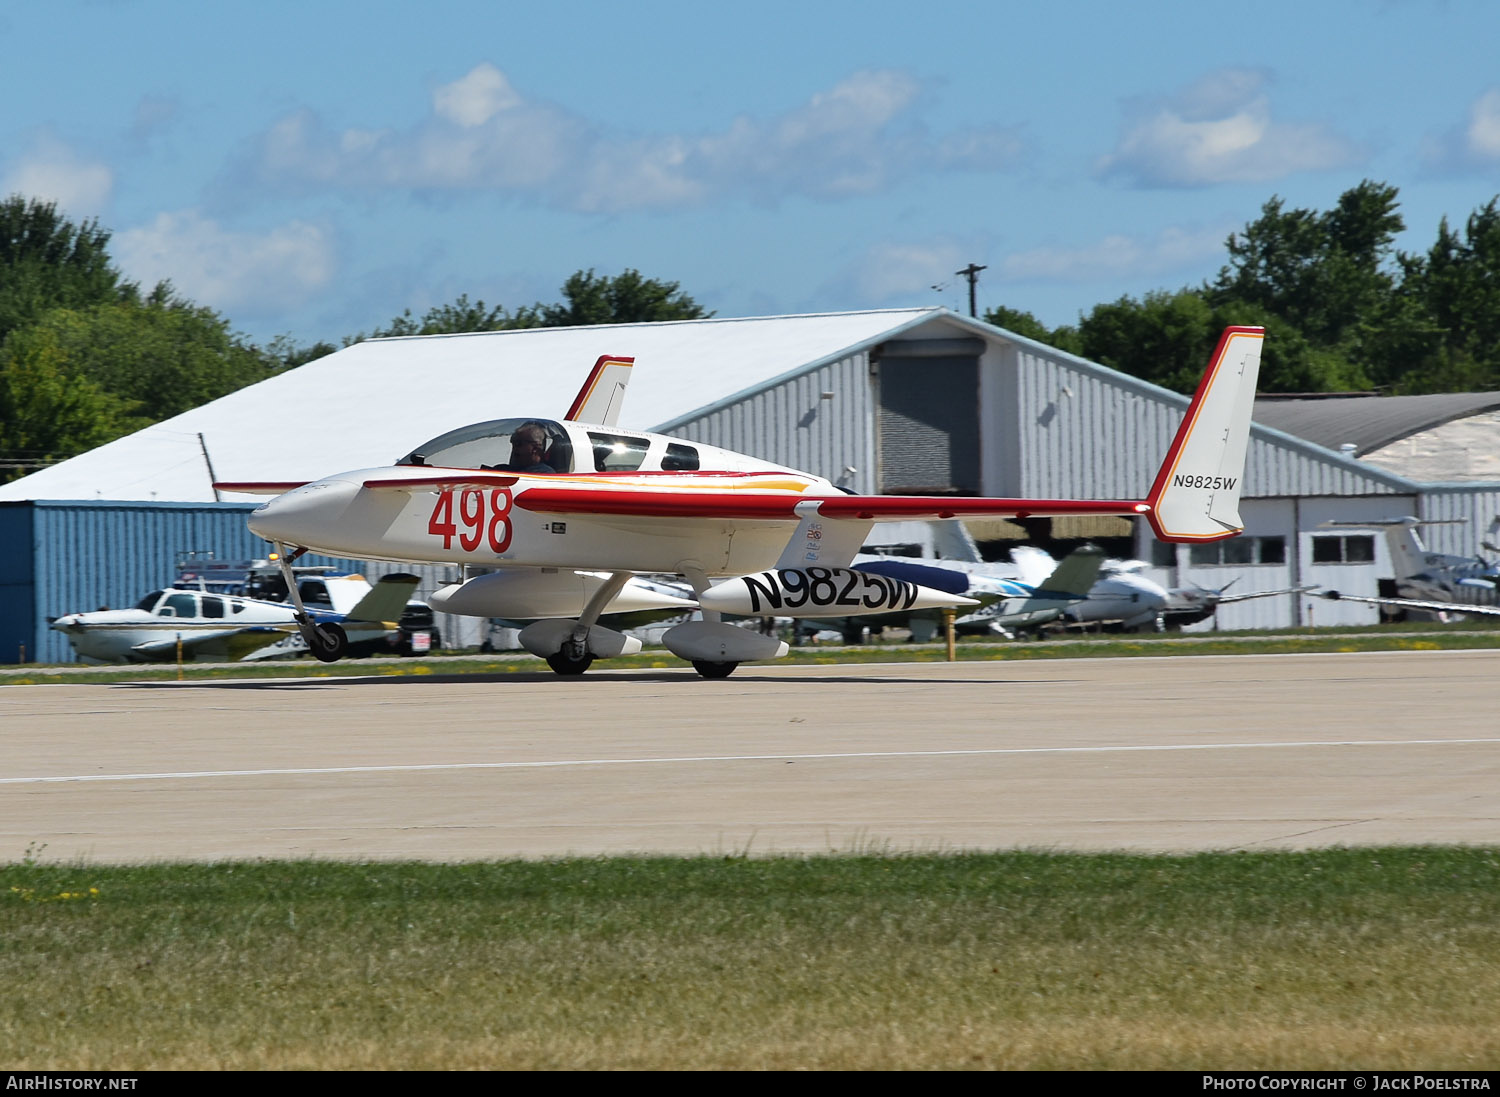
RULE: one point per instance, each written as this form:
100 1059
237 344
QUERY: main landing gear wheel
563 663
713 670
327 642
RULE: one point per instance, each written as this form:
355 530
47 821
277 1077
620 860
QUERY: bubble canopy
491 445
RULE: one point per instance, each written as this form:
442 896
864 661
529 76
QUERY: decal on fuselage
828 588
483 515
1195 480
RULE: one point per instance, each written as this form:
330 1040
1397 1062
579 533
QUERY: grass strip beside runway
1331 959
1307 641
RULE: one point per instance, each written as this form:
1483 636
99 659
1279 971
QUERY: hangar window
1354 549
1239 551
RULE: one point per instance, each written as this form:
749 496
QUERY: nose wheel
327 642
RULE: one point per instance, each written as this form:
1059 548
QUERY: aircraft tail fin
603 394
1196 496
386 601
1078 572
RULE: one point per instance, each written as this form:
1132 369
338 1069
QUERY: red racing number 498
481 517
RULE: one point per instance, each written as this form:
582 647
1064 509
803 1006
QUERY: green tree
1167 338
627 298
1326 274
158 357
1019 321
1453 296
588 299
47 410
48 262
462 315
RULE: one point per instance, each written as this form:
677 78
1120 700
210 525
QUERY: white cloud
476 98
1173 250
1483 134
228 270
1221 130
52 171
1470 146
857 137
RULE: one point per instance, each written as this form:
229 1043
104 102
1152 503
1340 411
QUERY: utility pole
971 272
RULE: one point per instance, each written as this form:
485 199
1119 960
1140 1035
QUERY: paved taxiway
1221 752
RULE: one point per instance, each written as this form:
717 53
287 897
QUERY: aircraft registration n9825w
567 512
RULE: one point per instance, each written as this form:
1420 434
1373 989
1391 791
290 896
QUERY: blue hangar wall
68 556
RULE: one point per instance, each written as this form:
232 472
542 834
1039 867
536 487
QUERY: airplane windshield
514 445
179 605
148 602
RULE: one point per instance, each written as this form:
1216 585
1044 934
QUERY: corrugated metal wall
17 585
1087 434
792 424
1470 507
1084 435
60 557
91 554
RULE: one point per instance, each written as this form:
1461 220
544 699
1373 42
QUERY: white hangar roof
367 404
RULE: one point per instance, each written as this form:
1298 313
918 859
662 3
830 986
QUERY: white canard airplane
1434 582
213 627
584 497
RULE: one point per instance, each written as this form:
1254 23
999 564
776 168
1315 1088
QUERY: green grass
1332 959
1387 638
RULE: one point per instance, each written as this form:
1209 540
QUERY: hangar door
929 416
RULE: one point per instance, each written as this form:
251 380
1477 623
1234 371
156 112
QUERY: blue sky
312 169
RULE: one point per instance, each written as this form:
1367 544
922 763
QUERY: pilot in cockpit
528 449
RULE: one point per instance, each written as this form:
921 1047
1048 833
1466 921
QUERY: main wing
1465 608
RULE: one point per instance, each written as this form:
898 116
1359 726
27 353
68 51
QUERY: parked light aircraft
1434 582
221 628
1189 605
583 495
1005 602
1123 597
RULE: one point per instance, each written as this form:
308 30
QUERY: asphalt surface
1162 754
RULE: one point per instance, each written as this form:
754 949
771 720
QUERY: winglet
1196 496
603 394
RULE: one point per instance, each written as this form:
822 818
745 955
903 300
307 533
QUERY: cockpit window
512 445
179 605
148 603
213 605
680 457
314 592
617 452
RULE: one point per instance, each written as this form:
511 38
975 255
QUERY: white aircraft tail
603 393
1196 496
1408 553
385 603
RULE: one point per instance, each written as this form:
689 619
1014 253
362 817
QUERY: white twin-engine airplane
569 512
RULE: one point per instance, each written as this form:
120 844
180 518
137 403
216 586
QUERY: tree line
1343 309
87 356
